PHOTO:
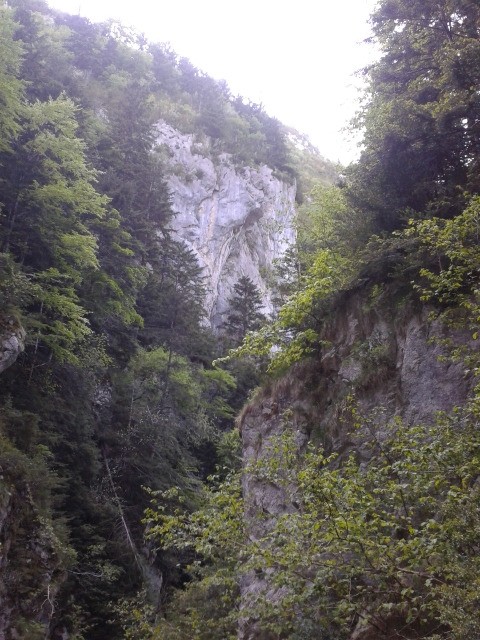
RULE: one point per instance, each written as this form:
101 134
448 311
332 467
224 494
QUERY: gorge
181 457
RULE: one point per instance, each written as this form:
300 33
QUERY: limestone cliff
383 358
237 219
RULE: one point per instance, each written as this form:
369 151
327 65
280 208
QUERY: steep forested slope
108 388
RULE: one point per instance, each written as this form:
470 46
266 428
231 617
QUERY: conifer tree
422 113
245 306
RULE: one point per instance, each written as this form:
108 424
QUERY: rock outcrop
12 341
237 219
384 358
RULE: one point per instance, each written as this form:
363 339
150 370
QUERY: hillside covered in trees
124 512
114 394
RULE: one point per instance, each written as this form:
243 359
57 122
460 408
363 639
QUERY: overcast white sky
297 58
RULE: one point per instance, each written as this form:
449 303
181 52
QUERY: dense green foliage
116 390
420 119
384 540
392 541
421 113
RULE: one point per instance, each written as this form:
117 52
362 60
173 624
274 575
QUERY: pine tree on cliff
244 310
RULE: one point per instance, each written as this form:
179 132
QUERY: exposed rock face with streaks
238 220
385 360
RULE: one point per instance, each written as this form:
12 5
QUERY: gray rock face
388 362
12 342
237 220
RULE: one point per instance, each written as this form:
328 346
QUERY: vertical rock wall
237 220
384 359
